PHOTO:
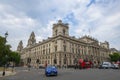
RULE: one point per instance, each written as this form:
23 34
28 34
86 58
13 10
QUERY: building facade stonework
62 49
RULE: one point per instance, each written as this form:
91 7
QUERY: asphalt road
66 74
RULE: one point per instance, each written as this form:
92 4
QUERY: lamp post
55 61
75 63
37 61
29 61
65 61
6 34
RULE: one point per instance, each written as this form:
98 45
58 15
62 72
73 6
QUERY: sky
97 18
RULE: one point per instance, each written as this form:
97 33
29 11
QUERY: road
66 74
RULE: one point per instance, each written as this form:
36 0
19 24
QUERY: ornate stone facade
62 49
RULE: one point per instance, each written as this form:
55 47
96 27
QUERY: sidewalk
7 73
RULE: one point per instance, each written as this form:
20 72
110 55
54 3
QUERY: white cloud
108 26
101 17
103 23
10 20
18 25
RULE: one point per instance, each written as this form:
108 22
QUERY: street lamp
29 61
6 57
55 61
60 64
65 61
75 61
6 34
37 61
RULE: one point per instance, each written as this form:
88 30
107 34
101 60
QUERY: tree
4 51
14 57
115 57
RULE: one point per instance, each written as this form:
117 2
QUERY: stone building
62 49
113 50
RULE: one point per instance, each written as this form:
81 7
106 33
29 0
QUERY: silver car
115 66
106 65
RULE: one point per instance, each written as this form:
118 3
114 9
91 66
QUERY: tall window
64 48
64 41
56 42
65 59
56 32
78 50
46 51
63 31
49 50
55 48
43 51
72 50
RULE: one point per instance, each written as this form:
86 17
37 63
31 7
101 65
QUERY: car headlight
47 70
55 70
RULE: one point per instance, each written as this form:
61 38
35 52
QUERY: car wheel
56 75
46 75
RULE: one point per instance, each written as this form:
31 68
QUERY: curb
8 73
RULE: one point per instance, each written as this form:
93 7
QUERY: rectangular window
49 50
55 48
64 48
72 50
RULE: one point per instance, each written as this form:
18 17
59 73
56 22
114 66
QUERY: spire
32 34
20 46
31 40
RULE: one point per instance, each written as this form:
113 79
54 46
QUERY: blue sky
99 17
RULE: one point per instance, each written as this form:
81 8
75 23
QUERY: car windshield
105 64
51 67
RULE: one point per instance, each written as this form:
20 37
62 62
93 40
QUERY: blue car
51 70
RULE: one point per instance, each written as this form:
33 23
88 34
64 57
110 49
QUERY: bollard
3 73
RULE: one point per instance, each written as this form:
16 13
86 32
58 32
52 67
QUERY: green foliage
4 51
6 55
115 57
15 57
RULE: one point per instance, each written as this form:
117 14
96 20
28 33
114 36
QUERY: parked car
115 66
100 66
41 66
105 65
51 70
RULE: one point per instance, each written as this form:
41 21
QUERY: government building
62 49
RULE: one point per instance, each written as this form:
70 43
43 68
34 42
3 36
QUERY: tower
60 29
31 40
105 44
20 46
